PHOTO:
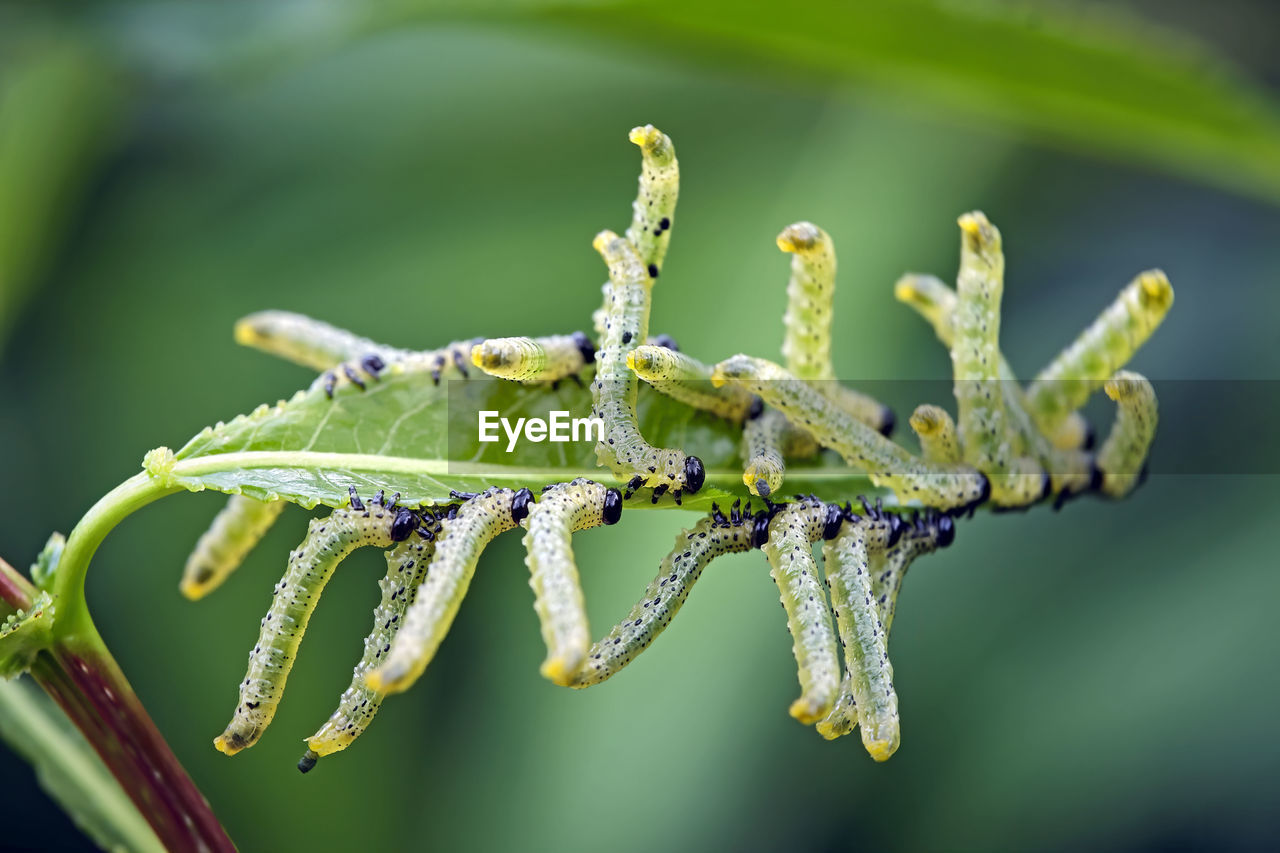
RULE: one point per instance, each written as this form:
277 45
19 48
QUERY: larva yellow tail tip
246 335
477 355
631 360
602 240
557 671
192 591
647 137
972 222
799 237
228 744
881 751
905 289
1156 289
802 709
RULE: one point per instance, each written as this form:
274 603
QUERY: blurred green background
1104 677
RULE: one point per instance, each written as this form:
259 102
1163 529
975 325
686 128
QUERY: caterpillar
623 448
222 548
767 439
937 433
480 518
988 442
328 542
450 360
945 486
654 209
792 533
553 573
307 342
688 380
406 566
1122 457
1102 349
695 547
548 359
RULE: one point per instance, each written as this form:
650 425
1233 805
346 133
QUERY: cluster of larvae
1009 447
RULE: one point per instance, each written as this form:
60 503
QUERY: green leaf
70 771
406 434
25 634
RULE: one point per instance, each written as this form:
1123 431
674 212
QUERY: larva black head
307 761
404 524
760 529
946 528
612 506
1046 485
757 408
666 342
762 488
1095 476
584 345
896 527
1090 436
694 474
831 527
888 420
520 505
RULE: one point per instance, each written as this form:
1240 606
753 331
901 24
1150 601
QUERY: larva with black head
329 540
1102 349
464 537
711 537
623 449
563 509
688 380
768 439
545 359
406 567
792 533
1122 457
887 464
235 530
988 441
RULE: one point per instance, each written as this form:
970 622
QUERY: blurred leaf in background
1103 676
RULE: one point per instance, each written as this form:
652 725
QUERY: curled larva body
406 566
688 380
546 359
222 548
792 533
937 434
806 346
623 449
1124 453
868 673
887 464
302 340
429 618
1102 349
680 569
768 439
329 540
989 442
553 573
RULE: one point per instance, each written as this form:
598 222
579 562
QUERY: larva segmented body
792 533
680 569
654 209
613 392
768 439
937 433
989 442
329 540
553 572
1123 455
406 567
221 549
806 346
887 464
868 674
481 518
302 340
1102 349
688 380
546 359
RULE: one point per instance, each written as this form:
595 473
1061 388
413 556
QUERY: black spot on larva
612 506
583 343
1090 436
946 531
888 420
694 474
307 761
626 337
757 408
831 525
653 270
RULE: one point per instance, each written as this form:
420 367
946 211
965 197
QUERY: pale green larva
988 441
887 464
302 340
546 359
406 567
623 449
1101 350
680 569
654 210
222 548
1123 455
868 674
329 540
481 518
768 440
553 573
937 433
792 533
688 380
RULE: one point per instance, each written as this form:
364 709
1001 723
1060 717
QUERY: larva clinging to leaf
553 573
480 518
546 359
329 540
688 380
222 548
